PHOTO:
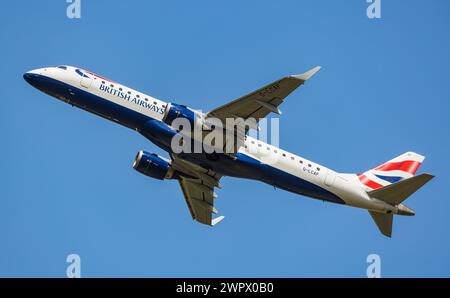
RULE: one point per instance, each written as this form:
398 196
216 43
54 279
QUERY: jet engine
152 165
174 111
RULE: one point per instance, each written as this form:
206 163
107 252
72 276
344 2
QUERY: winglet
217 220
307 74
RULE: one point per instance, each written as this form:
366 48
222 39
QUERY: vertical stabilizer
395 170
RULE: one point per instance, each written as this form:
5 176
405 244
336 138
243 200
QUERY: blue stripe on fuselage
90 102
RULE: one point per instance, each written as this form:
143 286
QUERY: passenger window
318 169
301 161
292 157
309 165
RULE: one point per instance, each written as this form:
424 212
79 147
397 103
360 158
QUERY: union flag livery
395 170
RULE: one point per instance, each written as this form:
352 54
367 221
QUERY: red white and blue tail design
397 169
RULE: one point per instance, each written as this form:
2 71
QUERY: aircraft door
329 179
86 81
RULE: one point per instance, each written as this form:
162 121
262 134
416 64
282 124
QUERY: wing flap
198 184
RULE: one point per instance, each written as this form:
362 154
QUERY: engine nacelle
174 111
152 165
195 120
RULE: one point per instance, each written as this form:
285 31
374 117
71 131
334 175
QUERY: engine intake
174 111
152 165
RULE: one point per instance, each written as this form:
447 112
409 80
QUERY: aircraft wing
263 101
198 184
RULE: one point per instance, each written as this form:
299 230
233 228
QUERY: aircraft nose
31 78
28 77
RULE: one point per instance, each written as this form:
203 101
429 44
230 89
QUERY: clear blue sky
67 185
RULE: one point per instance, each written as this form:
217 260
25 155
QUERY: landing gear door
329 179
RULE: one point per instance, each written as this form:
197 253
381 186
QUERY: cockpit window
63 67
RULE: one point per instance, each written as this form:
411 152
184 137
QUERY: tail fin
393 182
395 170
395 194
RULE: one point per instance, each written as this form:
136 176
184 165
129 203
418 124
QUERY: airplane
380 190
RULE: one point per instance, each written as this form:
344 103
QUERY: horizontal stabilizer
384 222
396 193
